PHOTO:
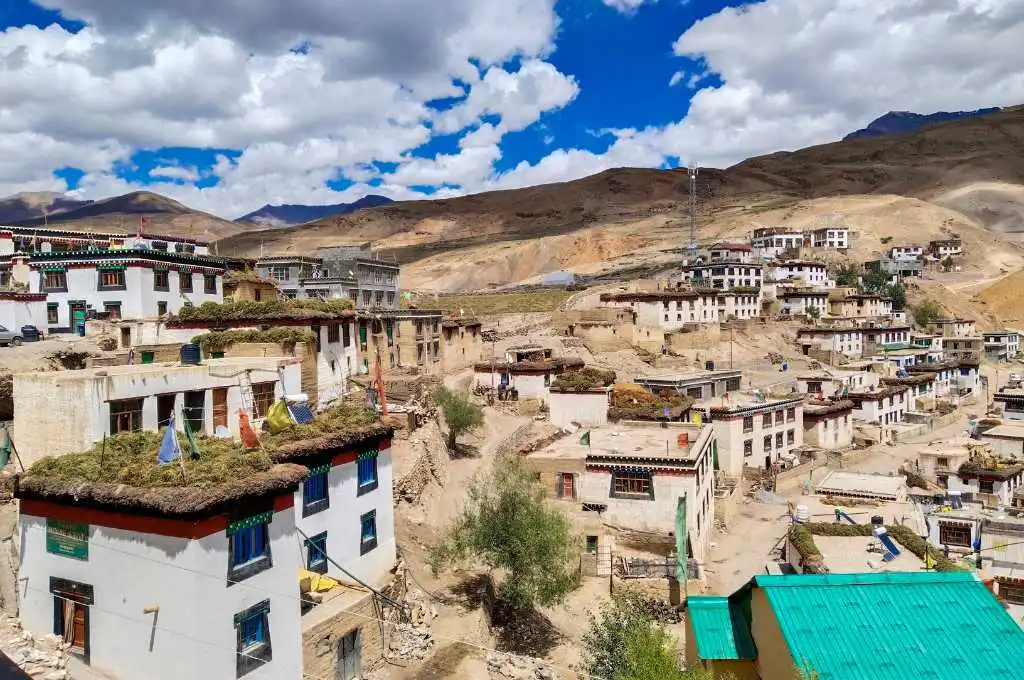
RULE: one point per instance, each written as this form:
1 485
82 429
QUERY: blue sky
418 98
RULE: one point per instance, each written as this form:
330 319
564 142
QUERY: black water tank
709 365
877 520
191 355
29 334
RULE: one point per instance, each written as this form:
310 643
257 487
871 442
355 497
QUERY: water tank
803 514
877 520
191 355
709 365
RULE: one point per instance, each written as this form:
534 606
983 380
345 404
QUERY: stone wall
320 642
303 351
702 338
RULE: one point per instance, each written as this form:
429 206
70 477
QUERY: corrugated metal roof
896 625
718 629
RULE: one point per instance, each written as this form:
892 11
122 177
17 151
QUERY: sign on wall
68 539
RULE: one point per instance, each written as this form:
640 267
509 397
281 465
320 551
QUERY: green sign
68 539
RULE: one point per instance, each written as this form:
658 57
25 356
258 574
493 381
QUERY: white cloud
626 6
174 172
676 78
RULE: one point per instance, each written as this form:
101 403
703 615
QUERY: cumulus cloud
626 6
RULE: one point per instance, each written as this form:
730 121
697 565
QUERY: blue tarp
169 449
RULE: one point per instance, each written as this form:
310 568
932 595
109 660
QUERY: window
125 416
257 295
779 417
334 333
111 280
955 533
748 448
986 486
346 333
366 469
367 532
55 281
161 308
249 547
316 553
632 485
592 547
766 420
52 313
158 245
161 280
185 282
210 284
790 415
791 436
315 497
113 309
778 440
280 273
252 631
391 298
566 486
768 444
748 424
262 398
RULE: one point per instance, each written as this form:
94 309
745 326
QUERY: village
236 467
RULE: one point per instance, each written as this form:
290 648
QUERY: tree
814 313
897 292
847 275
874 281
947 263
508 525
461 414
926 312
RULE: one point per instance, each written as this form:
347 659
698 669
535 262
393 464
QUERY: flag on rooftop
585 438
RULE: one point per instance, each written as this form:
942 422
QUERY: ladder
245 390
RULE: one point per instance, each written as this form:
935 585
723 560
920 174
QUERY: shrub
926 312
582 380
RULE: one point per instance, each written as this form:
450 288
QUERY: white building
724 274
906 253
771 243
810 303
835 382
40 239
828 424
732 252
752 430
846 341
943 248
675 309
946 375
811 273
885 406
634 473
1002 345
62 412
860 306
836 238
528 369
127 284
953 328
587 409
993 488
22 309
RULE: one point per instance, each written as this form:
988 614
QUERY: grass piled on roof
217 341
583 380
248 310
131 458
248 275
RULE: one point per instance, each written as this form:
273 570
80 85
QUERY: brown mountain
121 214
925 165
29 205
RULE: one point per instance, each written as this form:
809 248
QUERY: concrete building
404 337
896 269
634 473
947 375
1007 441
65 411
859 306
771 243
587 408
1002 345
835 238
863 485
920 386
675 309
939 460
724 274
528 369
906 253
733 252
22 309
833 383
807 303
1012 401
462 343
122 283
953 328
885 406
964 348
991 486
306 277
969 380
698 385
376 280
811 273
942 248
753 431
828 423
852 341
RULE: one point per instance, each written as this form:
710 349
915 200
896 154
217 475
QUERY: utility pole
730 348
692 249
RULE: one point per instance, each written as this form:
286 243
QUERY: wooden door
347 667
220 407
78 627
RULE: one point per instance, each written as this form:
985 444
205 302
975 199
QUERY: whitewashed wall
17 313
589 409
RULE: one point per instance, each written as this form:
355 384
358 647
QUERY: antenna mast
692 250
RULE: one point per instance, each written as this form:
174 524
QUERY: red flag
142 222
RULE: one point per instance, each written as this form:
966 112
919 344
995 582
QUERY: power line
367 617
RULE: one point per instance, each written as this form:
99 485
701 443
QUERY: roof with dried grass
123 471
307 309
547 365
235 277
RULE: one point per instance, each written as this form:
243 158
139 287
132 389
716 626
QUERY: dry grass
218 341
486 304
257 312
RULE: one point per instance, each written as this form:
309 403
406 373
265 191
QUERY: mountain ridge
902 122
291 214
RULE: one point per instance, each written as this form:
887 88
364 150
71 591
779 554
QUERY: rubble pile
662 611
410 641
44 658
513 667
430 463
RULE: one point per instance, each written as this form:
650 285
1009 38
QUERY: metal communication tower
692 249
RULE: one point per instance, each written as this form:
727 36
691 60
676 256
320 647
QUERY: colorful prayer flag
585 439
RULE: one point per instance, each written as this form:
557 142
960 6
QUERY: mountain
121 214
292 214
29 205
901 122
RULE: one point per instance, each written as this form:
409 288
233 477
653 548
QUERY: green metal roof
719 629
894 626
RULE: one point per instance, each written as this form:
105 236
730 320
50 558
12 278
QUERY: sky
227 105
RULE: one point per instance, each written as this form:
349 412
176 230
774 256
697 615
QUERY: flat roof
687 377
1005 431
224 367
628 440
862 484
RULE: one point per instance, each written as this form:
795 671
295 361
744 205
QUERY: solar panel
300 412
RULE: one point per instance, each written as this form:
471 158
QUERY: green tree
927 311
897 292
508 525
947 263
460 413
814 313
874 281
847 275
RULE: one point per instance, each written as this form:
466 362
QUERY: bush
218 341
914 479
583 380
926 312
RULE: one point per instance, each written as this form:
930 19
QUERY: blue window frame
367 532
367 473
316 553
252 631
316 491
248 547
